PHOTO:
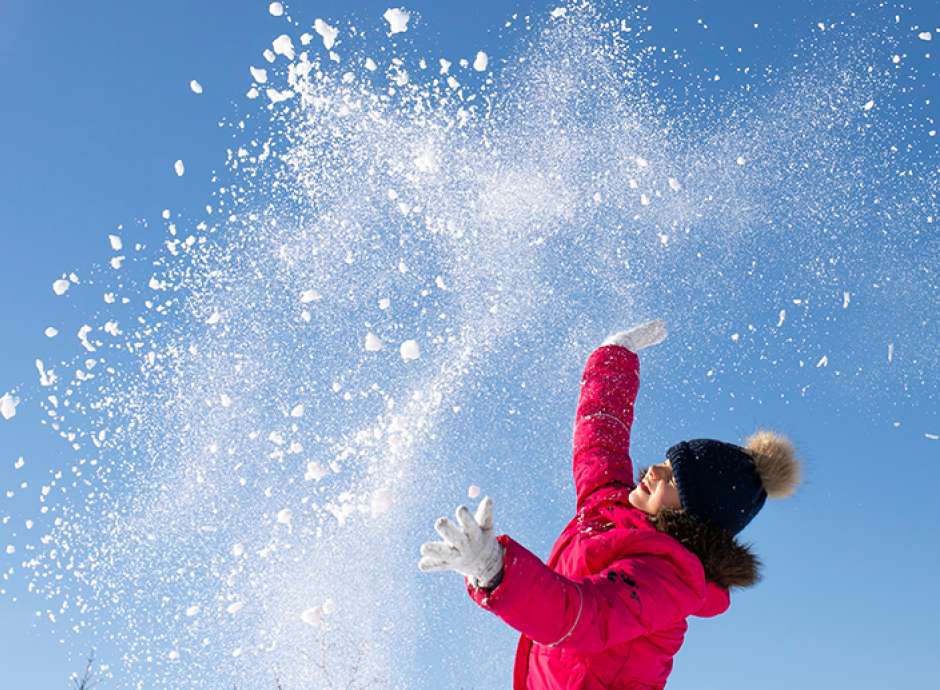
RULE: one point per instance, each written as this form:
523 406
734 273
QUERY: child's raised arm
605 410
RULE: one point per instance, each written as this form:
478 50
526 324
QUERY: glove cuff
491 570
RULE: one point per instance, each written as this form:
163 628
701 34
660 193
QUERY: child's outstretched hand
639 337
469 548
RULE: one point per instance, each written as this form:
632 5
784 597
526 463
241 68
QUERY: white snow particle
173 655
19 463
890 352
237 550
559 12
370 65
327 32
823 361
315 472
46 378
381 502
214 318
925 36
481 61
308 296
195 86
846 298
284 517
283 46
641 162
740 160
473 491
932 437
276 9
234 608
179 168
372 344
8 406
11 549
384 303
311 616
259 74
51 332
276 96
60 287
116 243
674 184
192 610
869 105
397 19
410 350
297 411
782 317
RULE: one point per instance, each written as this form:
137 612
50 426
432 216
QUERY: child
609 609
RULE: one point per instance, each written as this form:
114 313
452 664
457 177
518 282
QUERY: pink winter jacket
609 609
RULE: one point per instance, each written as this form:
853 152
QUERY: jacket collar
726 562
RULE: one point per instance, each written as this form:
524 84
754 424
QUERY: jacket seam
608 415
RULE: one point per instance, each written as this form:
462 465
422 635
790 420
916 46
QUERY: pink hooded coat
609 609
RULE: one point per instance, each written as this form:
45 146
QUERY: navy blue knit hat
725 484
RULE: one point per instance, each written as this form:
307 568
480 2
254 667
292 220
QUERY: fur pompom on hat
725 484
775 461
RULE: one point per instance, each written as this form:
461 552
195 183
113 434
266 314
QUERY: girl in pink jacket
608 611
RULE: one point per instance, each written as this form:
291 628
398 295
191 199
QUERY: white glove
470 549
639 337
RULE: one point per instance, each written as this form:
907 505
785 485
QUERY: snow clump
397 19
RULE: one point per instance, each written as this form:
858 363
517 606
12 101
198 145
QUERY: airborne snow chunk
397 19
473 491
327 32
481 61
372 344
410 350
315 472
283 46
259 74
276 9
925 36
179 168
195 86
60 287
8 406
381 502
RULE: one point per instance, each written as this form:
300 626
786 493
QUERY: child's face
656 490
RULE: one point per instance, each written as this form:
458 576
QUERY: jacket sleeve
602 423
631 598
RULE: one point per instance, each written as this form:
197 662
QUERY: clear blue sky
97 108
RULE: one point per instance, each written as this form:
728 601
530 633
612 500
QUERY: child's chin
636 499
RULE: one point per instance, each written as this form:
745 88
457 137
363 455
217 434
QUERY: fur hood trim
726 562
